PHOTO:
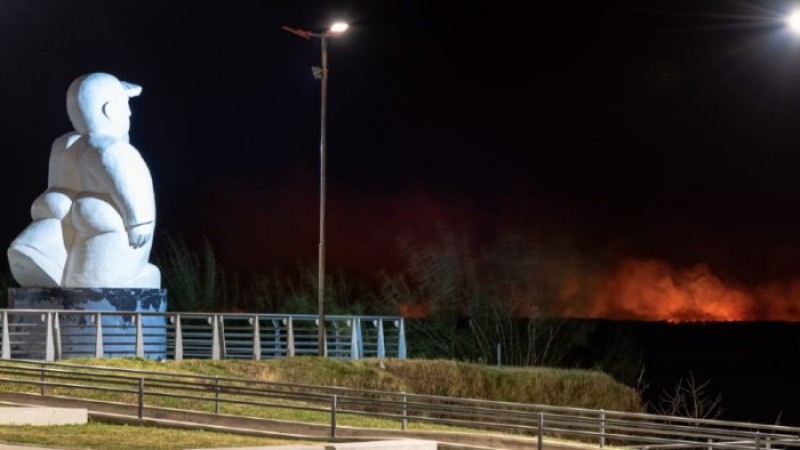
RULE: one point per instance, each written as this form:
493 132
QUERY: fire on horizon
653 290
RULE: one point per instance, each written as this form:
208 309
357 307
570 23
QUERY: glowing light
339 27
793 22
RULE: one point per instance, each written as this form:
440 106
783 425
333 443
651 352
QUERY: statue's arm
128 181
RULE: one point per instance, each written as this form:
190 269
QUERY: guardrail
52 335
230 396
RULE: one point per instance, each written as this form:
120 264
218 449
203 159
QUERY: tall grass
194 281
495 303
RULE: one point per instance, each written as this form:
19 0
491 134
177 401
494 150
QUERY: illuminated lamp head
793 21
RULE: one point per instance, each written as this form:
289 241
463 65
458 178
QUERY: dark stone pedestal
76 334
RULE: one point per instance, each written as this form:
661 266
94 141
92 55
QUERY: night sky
662 132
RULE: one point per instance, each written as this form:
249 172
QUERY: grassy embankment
560 387
542 385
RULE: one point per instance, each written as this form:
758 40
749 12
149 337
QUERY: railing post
6 349
139 336
333 416
354 354
216 395
710 444
256 338
215 352
540 439
141 397
56 337
178 337
404 422
602 428
757 443
276 339
99 350
223 352
381 342
337 346
401 337
360 336
290 335
49 346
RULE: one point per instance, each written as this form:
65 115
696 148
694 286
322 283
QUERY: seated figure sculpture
93 225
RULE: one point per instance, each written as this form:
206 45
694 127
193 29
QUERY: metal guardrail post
290 335
602 428
223 351
333 416
401 337
337 350
360 337
56 337
215 352
540 438
139 336
276 339
141 398
256 338
354 354
5 353
381 342
757 441
404 422
178 337
98 336
49 346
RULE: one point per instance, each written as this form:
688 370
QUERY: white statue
93 226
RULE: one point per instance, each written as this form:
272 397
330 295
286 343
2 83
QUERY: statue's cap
87 96
133 90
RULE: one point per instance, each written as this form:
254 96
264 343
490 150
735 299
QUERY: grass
578 388
97 435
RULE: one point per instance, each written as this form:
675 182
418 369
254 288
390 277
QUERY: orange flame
654 290
413 310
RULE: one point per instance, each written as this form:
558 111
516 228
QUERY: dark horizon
658 137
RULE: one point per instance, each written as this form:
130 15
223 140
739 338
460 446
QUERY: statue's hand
139 235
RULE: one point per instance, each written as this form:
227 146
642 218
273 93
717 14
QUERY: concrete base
78 331
43 416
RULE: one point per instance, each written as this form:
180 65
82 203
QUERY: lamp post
321 73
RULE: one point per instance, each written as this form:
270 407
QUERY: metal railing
52 335
238 397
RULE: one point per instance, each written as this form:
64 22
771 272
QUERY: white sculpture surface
94 224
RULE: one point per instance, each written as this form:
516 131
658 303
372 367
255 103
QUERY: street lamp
321 73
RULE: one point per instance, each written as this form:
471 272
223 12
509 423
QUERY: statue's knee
91 215
51 205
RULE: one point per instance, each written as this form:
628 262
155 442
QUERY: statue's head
98 103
